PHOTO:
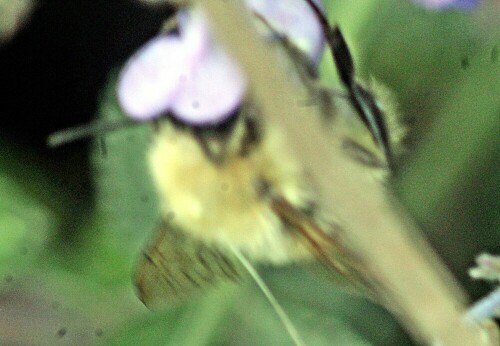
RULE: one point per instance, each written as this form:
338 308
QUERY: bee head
234 136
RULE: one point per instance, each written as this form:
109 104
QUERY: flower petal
212 91
150 79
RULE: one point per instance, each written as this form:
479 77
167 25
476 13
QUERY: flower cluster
188 75
488 268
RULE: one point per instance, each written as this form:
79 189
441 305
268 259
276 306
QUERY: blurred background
74 219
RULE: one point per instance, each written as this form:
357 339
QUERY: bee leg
362 100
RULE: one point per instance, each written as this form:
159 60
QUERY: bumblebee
237 185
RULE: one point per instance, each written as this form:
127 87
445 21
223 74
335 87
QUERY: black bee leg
362 100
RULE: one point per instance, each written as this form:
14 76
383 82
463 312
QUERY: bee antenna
95 128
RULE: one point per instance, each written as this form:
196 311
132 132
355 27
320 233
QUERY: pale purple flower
180 73
191 77
449 4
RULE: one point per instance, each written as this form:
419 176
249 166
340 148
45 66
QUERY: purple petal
191 77
195 32
446 4
150 79
296 20
212 91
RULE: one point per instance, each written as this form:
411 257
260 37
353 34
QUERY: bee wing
329 249
175 266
